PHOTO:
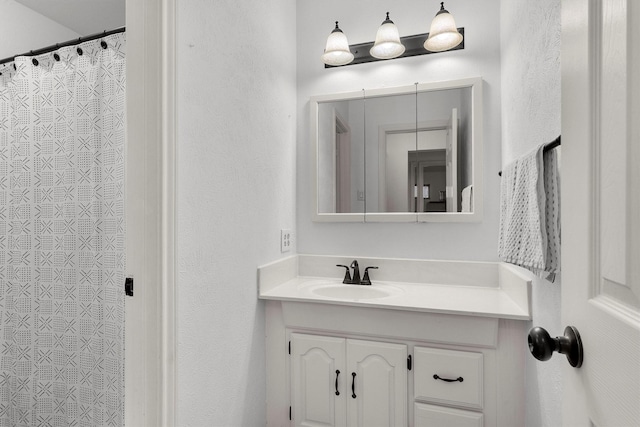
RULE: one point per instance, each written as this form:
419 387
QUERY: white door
601 209
377 377
317 380
452 162
343 166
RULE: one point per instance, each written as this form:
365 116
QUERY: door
317 380
377 374
343 166
601 209
452 162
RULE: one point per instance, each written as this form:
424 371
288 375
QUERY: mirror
403 154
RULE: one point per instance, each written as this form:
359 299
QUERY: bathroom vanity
428 343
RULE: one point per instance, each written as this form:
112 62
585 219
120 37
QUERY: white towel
467 200
530 213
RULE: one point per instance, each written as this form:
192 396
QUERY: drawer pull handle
353 385
437 377
337 374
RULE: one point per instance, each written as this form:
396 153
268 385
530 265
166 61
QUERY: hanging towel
530 213
467 200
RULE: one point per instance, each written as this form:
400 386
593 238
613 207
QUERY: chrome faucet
355 279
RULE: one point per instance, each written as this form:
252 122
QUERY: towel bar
550 146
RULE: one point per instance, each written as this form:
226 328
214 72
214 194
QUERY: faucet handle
347 275
365 278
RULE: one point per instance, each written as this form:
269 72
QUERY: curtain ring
79 50
56 57
35 62
103 44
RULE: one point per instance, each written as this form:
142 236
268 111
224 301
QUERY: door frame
151 195
383 132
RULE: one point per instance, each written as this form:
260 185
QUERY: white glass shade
336 51
387 43
444 34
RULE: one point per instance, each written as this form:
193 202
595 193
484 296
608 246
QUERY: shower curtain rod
64 44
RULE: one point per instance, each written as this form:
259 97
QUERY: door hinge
289 413
128 286
289 347
409 362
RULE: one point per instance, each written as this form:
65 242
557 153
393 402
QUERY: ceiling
82 16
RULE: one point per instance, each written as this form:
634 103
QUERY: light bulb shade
443 34
336 51
387 44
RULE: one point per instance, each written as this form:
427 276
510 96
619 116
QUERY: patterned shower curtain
62 141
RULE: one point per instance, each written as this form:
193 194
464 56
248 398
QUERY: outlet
286 240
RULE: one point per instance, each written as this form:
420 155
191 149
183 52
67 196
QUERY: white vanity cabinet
347 382
465 336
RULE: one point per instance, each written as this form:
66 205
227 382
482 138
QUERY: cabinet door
317 390
439 416
377 390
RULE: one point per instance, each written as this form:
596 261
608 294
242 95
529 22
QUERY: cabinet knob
542 346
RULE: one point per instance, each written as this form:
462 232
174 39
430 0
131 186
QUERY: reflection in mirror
390 134
401 154
427 172
340 165
435 151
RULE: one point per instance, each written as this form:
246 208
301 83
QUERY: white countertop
494 290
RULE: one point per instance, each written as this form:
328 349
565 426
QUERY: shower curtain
62 141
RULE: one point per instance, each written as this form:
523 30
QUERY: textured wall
360 20
530 44
22 30
236 190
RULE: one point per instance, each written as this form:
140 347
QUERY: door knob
542 345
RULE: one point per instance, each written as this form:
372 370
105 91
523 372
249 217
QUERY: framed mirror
402 154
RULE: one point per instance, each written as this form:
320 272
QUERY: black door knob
542 345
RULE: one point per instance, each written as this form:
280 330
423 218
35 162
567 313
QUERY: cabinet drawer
439 416
448 376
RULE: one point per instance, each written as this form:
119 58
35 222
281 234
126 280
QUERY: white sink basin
355 292
337 290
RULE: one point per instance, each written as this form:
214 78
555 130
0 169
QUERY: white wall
236 190
82 16
360 19
22 30
530 34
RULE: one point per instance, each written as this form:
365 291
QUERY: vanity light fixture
387 45
442 37
443 34
337 52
